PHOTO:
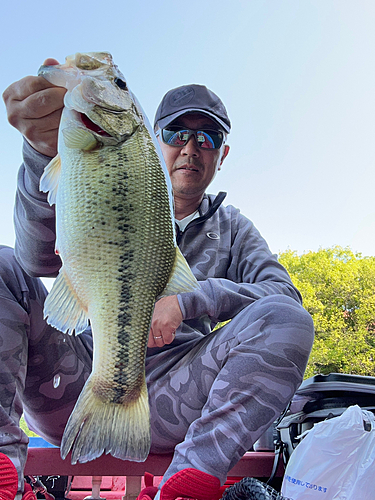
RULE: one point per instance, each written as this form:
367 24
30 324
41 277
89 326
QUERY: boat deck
124 477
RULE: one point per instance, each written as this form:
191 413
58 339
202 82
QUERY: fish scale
115 237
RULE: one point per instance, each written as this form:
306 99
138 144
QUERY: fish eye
120 83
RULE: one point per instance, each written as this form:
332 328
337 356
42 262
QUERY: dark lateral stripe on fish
123 381
121 392
124 385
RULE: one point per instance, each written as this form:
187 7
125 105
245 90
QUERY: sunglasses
179 137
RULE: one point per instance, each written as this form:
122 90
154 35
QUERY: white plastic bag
335 461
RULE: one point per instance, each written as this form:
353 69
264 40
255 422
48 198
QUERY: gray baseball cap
190 99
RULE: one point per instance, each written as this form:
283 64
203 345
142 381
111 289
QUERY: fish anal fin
62 307
79 138
49 182
182 279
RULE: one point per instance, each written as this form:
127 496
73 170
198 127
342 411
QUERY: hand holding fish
34 107
166 319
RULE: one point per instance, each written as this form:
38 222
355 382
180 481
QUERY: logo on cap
181 96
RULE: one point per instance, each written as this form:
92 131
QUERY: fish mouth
93 126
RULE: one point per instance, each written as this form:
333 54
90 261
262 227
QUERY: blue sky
297 78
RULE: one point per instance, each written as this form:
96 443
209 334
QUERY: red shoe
28 493
8 478
191 483
149 492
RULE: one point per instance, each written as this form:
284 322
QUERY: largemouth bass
115 236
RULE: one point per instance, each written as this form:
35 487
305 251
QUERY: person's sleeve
254 273
34 219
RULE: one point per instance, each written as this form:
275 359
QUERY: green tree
338 290
25 428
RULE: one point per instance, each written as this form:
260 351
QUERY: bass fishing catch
115 236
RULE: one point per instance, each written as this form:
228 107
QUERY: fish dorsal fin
49 182
62 308
79 138
182 279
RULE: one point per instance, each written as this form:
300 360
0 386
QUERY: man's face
190 167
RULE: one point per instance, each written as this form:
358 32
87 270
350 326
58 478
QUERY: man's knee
280 325
15 284
10 287
7 259
281 311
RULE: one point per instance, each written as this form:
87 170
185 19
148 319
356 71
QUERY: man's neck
183 207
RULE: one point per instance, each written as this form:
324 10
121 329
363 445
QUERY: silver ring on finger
158 337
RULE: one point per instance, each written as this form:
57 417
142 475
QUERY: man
212 394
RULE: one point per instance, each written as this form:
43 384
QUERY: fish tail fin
95 427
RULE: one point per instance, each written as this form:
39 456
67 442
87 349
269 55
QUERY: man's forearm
221 299
34 219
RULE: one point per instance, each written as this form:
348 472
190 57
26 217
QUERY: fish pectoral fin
62 308
49 182
79 138
182 279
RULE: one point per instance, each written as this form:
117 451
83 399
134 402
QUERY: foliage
338 290
25 429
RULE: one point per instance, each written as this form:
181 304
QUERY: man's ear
225 153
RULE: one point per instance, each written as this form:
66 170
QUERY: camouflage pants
210 398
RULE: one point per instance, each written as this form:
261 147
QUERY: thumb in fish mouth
50 61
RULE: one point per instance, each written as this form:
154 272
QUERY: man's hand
166 319
34 107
